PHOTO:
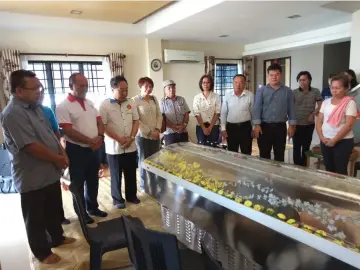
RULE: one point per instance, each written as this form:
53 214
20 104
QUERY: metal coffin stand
239 237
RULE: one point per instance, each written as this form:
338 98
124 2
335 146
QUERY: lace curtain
210 65
249 72
9 62
116 64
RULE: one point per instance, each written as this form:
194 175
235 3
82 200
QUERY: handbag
7 185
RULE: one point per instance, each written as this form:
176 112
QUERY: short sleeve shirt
305 104
119 118
174 111
24 124
207 107
330 131
51 117
81 115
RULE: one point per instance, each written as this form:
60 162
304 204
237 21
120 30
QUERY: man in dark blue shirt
326 93
273 107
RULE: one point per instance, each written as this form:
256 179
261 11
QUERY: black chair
153 250
107 236
209 261
356 168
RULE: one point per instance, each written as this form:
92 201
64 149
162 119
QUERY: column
154 51
355 43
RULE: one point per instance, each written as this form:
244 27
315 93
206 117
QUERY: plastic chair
107 236
209 261
153 250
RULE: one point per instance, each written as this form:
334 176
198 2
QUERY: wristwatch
101 135
132 137
185 124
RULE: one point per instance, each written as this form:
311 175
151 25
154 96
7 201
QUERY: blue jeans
211 139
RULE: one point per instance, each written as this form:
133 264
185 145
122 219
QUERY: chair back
209 262
80 211
164 250
138 246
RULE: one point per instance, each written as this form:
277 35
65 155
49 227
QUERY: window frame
223 90
48 72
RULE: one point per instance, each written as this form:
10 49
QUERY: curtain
249 72
9 62
116 64
210 65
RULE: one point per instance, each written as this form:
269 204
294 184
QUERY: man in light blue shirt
273 107
235 117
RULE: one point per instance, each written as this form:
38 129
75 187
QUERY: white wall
187 76
307 58
44 42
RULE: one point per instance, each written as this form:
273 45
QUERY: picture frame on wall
285 63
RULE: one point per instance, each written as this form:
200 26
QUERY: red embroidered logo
129 107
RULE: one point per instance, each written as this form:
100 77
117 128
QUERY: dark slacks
84 168
239 134
146 148
42 219
176 138
118 164
211 139
273 137
336 158
301 142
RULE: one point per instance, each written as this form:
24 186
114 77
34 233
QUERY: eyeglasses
37 88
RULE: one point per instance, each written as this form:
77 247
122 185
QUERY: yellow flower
248 203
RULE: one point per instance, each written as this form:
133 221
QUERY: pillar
154 51
355 43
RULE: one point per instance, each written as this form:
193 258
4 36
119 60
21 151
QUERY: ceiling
252 21
113 11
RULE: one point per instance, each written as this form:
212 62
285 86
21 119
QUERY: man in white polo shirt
84 132
121 121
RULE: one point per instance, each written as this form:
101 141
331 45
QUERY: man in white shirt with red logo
121 121
84 133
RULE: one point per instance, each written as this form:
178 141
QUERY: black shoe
89 220
97 213
134 201
65 221
120 205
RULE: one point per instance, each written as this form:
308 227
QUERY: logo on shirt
129 107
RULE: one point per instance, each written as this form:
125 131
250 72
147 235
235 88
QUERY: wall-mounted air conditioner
176 56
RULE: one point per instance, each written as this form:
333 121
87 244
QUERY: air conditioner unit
176 56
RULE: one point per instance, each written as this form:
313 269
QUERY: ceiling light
76 12
223 36
294 16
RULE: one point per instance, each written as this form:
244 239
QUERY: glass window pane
74 66
66 66
55 66
56 74
66 75
39 67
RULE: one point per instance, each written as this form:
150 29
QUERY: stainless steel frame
241 237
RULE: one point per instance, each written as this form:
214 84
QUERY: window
224 74
55 78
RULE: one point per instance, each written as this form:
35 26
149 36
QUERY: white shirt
81 115
119 118
207 107
236 109
329 131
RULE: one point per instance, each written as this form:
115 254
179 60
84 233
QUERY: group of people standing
131 128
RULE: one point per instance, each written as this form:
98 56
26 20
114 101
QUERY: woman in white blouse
206 108
150 120
334 126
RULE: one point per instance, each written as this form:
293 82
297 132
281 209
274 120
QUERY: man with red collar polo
84 132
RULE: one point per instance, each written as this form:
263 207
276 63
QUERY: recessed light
76 12
223 36
294 16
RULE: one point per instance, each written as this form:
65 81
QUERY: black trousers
273 137
176 138
239 134
42 219
118 164
336 158
210 140
146 148
84 173
302 141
